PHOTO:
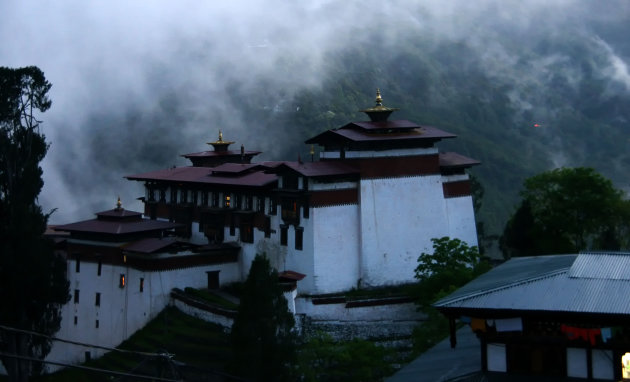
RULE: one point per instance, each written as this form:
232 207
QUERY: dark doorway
213 279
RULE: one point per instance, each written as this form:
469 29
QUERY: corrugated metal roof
322 168
544 284
380 125
604 265
354 132
149 245
219 153
116 227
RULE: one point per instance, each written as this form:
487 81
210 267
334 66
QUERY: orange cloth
478 324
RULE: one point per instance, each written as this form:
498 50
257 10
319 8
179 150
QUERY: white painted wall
461 219
398 218
336 249
122 311
339 312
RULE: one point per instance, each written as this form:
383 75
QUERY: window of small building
260 204
238 200
97 300
77 263
273 206
141 284
204 198
96 325
215 199
183 196
289 210
247 233
248 202
625 366
195 197
284 233
267 226
290 182
162 195
299 235
76 296
151 194
121 281
227 201
76 320
99 267
173 195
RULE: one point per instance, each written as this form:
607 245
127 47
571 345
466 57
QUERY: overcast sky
107 59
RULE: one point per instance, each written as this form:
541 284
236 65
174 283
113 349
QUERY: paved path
441 363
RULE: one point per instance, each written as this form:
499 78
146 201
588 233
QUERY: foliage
262 333
566 210
211 298
323 359
452 264
32 277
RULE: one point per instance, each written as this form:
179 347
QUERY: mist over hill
526 85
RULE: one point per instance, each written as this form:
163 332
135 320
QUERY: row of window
213 199
97 299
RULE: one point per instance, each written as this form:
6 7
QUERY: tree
32 276
566 210
262 333
452 264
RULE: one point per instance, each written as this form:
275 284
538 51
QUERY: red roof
386 125
205 175
451 159
322 168
358 132
116 227
291 275
149 245
220 153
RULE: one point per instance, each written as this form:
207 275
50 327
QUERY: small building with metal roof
554 316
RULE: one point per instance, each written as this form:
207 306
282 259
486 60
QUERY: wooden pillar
452 328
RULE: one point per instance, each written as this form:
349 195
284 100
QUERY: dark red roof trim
334 197
455 189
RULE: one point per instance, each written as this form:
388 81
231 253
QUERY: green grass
211 298
191 340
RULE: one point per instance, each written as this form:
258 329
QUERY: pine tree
32 277
262 334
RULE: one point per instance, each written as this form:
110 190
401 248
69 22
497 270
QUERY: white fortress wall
398 218
336 255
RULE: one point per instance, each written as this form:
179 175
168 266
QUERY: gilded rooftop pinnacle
220 144
379 113
119 204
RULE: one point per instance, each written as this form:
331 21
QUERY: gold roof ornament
119 204
220 144
379 113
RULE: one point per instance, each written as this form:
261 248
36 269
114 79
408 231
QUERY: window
195 197
141 284
77 263
273 206
267 226
260 204
76 320
76 296
97 300
283 234
96 325
121 283
239 200
227 201
162 196
290 182
248 203
151 194
299 235
99 267
204 198
215 199
289 210
305 210
173 196
247 233
183 196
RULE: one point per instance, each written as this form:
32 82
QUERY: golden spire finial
118 204
220 136
379 99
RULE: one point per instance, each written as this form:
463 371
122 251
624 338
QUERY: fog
136 84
